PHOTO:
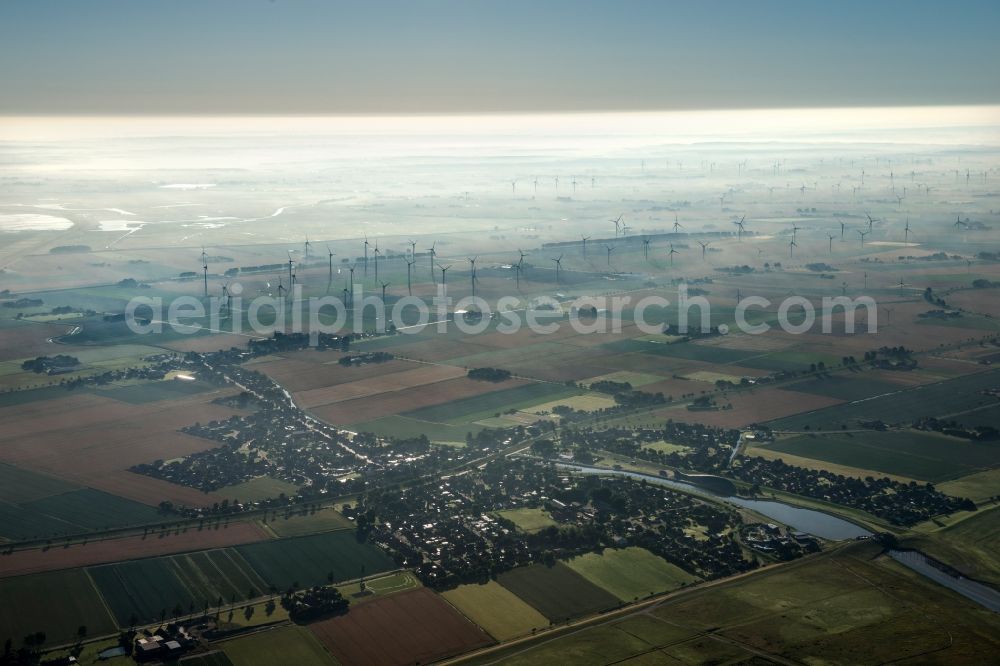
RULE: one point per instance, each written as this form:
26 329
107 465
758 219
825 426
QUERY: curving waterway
818 523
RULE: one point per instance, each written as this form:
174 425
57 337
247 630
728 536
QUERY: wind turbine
558 267
677 225
906 232
843 227
204 270
444 271
227 299
871 222
610 249
472 264
329 280
385 285
433 254
409 266
740 229
585 239
671 254
536 185
791 248
862 234
291 277
795 228
617 224
645 248
305 254
704 247
281 287
519 266
366 255
351 292
413 250
513 188
376 259
901 285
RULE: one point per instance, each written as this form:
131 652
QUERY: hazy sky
322 56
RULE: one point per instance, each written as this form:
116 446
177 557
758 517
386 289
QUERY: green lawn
528 520
467 410
630 573
261 488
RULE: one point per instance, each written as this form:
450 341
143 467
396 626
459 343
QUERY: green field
630 573
844 608
217 658
376 588
557 592
93 509
946 398
21 485
283 645
261 488
403 427
466 410
56 603
914 454
972 545
496 609
296 524
528 520
682 350
150 587
844 386
68 512
314 560
168 389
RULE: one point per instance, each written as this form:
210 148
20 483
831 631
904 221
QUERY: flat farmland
845 608
324 520
56 603
403 427
949 398
30 339
81 554
260 488
396 402
313 560
73 512
308 370
914 454
557 592
466 410
630 573
92 440
281 645
496 609
845 386
148 587
405 628
550 361
19 485
418 376
755 406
